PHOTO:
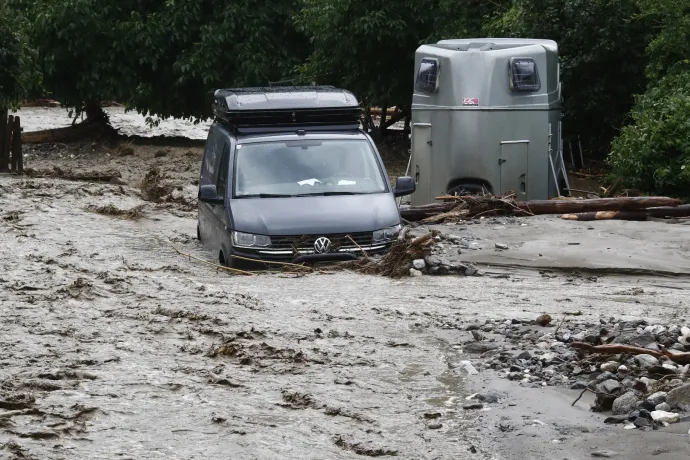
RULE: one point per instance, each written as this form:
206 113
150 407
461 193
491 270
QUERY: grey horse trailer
486 118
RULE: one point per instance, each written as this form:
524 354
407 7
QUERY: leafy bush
15 57
653 152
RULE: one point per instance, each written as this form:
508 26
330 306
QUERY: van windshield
307 167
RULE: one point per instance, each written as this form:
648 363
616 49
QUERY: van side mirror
404 185
209 194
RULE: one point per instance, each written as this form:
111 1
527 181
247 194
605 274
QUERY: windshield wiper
332 193
265 195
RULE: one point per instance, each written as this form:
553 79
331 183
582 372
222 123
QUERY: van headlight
249 240
387 234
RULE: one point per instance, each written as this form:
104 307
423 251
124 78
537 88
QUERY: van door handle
430 143
501 161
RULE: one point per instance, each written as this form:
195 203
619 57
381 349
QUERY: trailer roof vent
427 76
524 75
286 108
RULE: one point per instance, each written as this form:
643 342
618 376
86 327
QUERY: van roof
287 108
285 97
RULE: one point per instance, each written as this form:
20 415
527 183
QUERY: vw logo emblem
322 245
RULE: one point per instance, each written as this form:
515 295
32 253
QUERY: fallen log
607 215
483 205
661 212
68 134
596 204
678 358
669 211
416 213
450 215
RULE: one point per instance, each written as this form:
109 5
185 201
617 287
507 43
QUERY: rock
677 347
653 346
623 369
679 398
605 376
685 331
641 422
607 392
665 417
645 414
415 273
468 367
489 397
549 358
432 261
524 355
501 246
435 425
657 398
624 404
419 264
655 330
604 454
515 376
579 385
646 361
663 407
474 406
544 320
480 347
609 386
617 419
634 338
610 366
439 270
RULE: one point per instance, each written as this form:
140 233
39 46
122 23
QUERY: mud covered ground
113 345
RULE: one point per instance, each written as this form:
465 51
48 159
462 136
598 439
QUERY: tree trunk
659 206
597 204
607 215
382 123
95 113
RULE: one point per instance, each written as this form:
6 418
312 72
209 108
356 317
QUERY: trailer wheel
466 189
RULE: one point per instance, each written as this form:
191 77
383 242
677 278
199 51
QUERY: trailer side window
427 76
524 75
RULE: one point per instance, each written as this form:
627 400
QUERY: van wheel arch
469 186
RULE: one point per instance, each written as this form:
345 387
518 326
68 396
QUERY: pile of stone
641 390
437 261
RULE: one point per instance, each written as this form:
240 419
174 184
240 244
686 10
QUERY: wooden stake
17 158
4 157
8 141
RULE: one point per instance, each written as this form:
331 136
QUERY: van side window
524 75
223 171
427 76
210 160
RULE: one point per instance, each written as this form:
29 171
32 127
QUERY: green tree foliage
161 57
602 46
16 58
653 153
368 47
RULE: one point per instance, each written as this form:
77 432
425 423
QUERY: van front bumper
309 256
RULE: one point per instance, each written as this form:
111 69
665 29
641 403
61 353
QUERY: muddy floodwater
119 338
113 345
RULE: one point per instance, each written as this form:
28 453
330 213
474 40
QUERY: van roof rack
286 108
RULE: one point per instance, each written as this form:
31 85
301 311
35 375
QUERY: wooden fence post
17 159
8 139
4 155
